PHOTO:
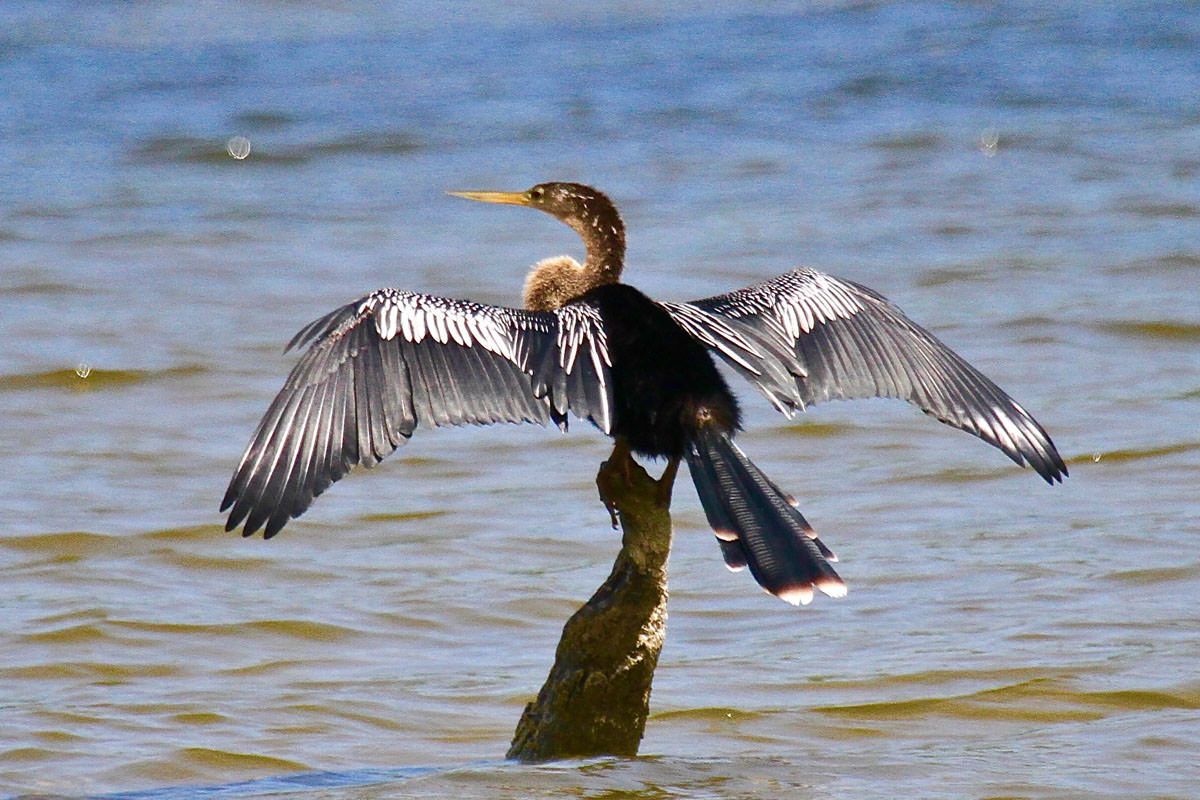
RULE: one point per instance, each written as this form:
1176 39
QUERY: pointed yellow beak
507 198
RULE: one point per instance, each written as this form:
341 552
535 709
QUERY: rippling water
1024 181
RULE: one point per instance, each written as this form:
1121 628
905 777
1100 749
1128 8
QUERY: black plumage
666 389
639 370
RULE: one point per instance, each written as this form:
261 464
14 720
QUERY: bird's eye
537 193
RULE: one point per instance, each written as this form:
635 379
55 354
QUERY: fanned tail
757 524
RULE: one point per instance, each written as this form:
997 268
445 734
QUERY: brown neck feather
554 282
603 235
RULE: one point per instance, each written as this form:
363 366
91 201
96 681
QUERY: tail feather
791 501
723 524
757 524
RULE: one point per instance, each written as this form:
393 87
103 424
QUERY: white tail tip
797 595
834 587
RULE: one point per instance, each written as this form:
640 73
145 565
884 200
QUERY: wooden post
597 696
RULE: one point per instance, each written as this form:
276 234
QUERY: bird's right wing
389 361
838 340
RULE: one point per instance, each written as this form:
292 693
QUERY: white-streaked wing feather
380 366
843 340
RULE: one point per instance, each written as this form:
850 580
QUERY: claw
604 478
612 513
614 472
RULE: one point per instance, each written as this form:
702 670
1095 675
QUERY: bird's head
592 215
588 211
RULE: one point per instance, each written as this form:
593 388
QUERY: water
1022 180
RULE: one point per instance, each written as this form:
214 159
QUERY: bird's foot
614 478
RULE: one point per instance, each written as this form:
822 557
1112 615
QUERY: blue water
1023 180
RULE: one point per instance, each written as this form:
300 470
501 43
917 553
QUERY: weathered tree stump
597 696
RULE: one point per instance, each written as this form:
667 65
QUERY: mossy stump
597 696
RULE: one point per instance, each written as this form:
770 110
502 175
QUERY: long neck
603 235
555 282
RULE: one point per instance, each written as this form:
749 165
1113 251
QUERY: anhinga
640 370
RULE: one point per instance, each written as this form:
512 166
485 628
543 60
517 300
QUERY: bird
642 371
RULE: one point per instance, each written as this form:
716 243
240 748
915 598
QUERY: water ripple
1155 330
85 377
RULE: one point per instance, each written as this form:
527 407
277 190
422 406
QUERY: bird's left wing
837 339
381 365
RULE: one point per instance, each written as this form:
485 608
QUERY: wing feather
756 355
847 341
377 368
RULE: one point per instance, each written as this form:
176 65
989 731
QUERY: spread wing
839 340
379 366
